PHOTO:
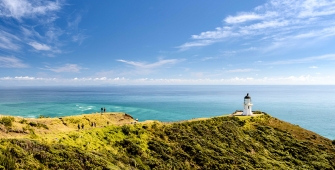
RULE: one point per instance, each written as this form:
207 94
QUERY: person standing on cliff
104 109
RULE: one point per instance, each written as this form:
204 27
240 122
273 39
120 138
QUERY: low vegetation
7 121
259 142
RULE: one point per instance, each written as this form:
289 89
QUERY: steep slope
226 142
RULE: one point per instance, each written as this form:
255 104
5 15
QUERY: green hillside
259 142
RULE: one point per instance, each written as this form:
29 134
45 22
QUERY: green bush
126 130
257 112
7 121
34 124
23 121
42 125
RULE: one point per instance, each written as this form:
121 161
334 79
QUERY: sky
259 42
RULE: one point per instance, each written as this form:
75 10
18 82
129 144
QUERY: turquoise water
311 107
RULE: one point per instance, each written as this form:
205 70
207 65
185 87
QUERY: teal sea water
311 107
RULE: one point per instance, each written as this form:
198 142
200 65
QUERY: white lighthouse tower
247 106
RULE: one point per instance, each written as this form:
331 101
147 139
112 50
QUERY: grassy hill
116 142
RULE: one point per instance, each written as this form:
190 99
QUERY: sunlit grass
223 142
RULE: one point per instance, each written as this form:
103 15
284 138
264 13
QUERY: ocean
311 107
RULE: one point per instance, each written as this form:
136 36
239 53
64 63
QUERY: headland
118 141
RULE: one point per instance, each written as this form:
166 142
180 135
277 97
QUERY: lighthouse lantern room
247 106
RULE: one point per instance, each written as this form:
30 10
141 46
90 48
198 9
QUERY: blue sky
85 42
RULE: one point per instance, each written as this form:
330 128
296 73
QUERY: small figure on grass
104 109
82 126
78 126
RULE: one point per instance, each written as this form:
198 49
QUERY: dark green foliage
7 161
23 121
126 130
7 121
32 154
42 125
34 124
131 147
333 142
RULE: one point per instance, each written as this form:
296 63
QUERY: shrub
126 130
7 121
33 124
23 121
42 125
333 142
257 112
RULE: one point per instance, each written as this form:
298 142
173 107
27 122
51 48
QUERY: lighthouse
247 106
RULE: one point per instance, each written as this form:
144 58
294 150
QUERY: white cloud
11 62
217 34
243 18
39 46
304 60
273 22
69 68
33 23
27 9
144 65
288 80
8 41
24 78
208 58
200 43
241 70
268 24
73 24
101 78
315 8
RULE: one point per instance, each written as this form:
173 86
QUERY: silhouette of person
104 109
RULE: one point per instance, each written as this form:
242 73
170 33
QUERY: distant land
118 141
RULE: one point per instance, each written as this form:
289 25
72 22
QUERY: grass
227 142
